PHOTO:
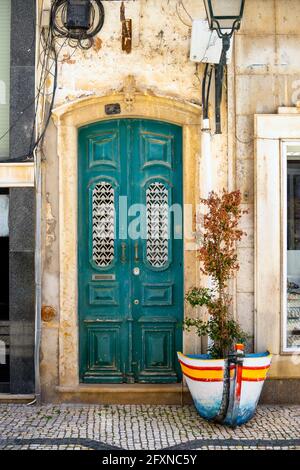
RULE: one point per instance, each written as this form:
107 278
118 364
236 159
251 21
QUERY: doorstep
126 394
16 399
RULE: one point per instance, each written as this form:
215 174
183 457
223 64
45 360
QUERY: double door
130 251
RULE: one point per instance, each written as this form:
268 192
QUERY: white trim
284 145
267 246
272 132
277 126
17 175
283 190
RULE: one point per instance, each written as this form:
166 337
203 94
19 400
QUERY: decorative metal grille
103 224
157 224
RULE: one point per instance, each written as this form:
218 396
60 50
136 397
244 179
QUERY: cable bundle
82 37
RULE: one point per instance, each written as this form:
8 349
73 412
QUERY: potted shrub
225 383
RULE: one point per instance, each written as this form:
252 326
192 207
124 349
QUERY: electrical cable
41 136
43 64
179 15
50 51
20 116
204 92
206 88
59 21
44 68
184 7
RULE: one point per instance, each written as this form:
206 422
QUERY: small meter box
206 46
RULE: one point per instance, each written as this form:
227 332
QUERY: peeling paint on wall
50 226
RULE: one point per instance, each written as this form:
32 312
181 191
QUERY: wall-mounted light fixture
225 17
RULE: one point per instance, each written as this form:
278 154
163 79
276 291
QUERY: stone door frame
68 118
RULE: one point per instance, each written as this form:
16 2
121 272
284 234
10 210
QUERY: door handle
123 252
136 252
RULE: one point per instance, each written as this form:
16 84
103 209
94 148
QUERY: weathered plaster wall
50 261
159 59
264 74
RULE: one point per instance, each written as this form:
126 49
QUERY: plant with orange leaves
218 257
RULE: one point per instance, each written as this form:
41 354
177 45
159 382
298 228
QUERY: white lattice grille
157 224
103 224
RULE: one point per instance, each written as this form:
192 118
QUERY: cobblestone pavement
147 427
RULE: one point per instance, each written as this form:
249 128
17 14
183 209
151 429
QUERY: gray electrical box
78 14
206 46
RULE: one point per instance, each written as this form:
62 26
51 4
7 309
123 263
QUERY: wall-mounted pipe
206 170
38 275
206 186
38 246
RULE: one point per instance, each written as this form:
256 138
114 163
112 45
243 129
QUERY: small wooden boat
225 391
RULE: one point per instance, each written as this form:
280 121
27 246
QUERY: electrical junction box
46 14
78 14
206 46
45 18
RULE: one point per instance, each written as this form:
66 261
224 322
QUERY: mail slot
104 277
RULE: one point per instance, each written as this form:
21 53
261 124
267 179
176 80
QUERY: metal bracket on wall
126 30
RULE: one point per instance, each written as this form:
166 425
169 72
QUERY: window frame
283 191
270 131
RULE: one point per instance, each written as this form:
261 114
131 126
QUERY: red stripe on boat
197 379
200 368
253 380
239 372
256 368
202 380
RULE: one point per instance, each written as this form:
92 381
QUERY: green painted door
130 251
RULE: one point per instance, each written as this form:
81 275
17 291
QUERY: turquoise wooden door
130 251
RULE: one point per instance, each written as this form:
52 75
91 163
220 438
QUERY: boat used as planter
225 390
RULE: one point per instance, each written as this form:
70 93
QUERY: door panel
130 275
102 279
156 334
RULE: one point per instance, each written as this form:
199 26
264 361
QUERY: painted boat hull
205 379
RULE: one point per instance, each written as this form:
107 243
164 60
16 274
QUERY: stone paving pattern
142 427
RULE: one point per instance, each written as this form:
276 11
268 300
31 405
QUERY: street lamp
224 16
